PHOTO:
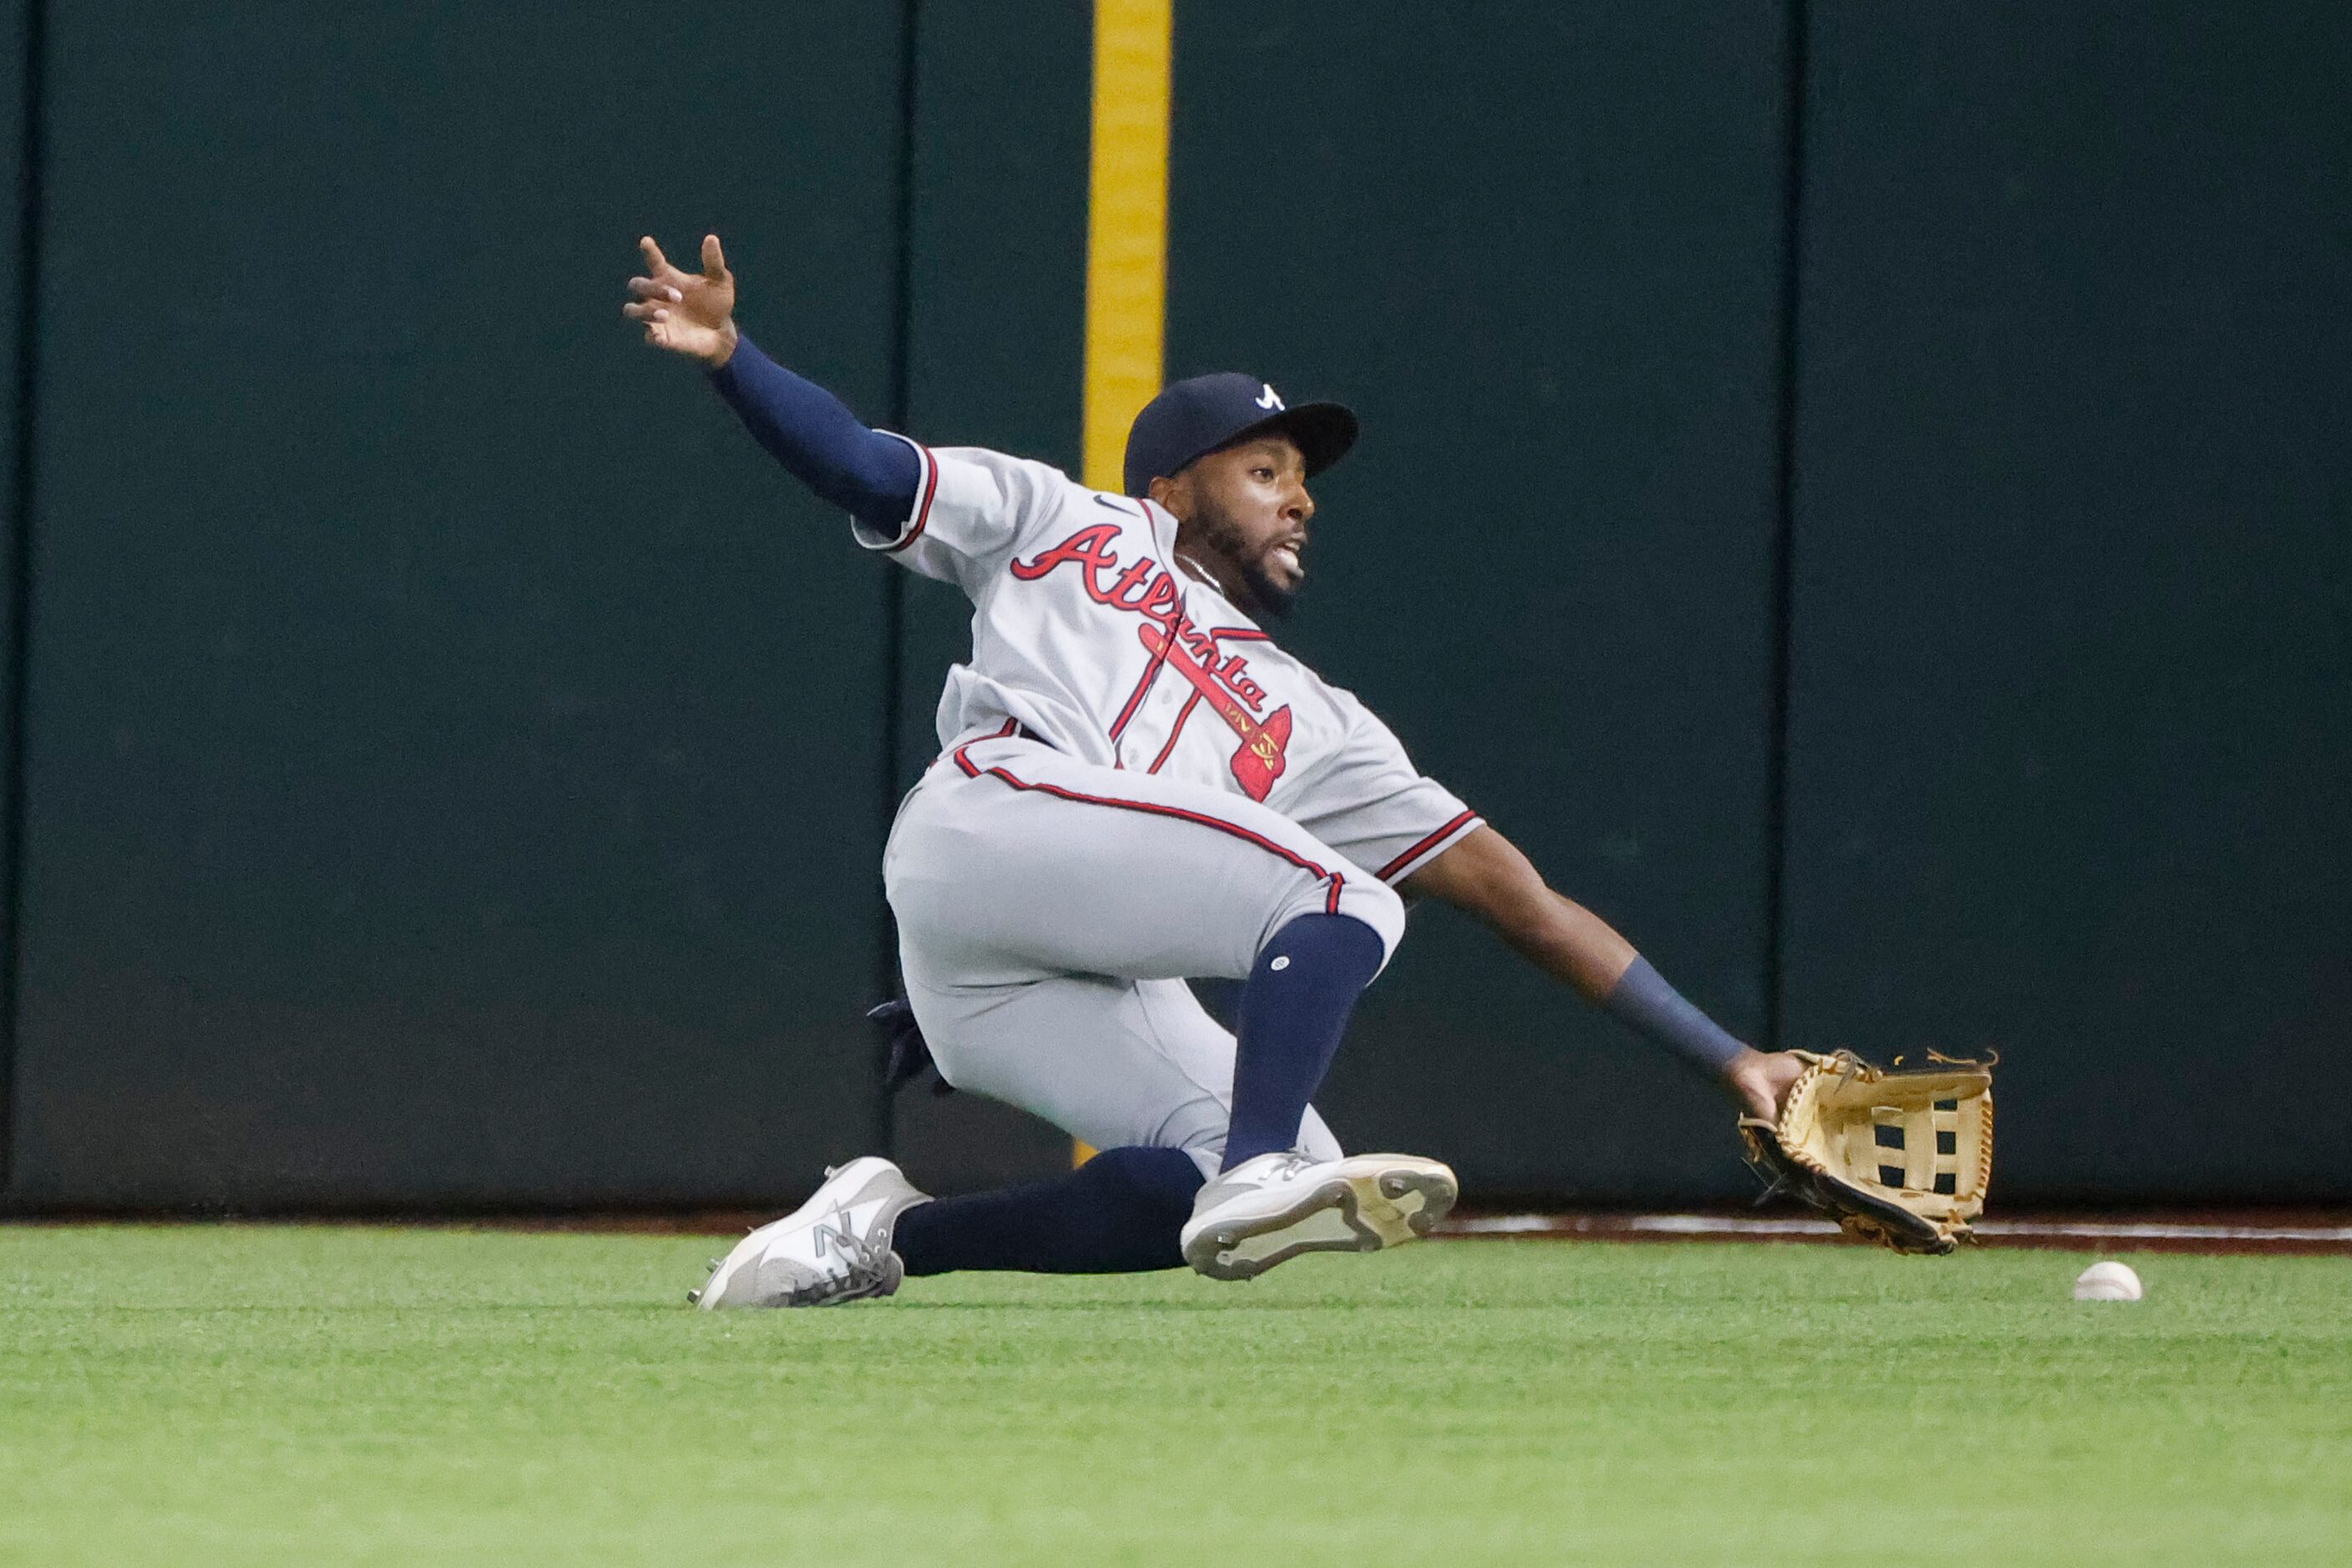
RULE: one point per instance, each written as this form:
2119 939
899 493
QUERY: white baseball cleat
1276 1206
836 1248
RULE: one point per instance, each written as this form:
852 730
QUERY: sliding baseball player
1137 787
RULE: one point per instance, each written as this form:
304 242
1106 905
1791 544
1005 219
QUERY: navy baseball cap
1193 418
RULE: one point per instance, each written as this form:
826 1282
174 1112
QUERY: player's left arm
1485 875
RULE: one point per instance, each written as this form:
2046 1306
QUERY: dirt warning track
2318 1233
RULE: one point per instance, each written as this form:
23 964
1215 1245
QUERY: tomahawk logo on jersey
1092 632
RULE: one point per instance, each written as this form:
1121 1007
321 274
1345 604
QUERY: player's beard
1261 595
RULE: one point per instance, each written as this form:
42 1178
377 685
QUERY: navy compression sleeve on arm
1643 1002
814 436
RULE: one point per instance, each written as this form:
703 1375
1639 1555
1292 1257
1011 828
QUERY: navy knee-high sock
1293 1011
1120 1213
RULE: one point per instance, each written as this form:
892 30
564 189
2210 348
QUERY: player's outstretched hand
688 313
1760 1080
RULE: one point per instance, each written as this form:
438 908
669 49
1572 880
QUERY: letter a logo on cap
1271 400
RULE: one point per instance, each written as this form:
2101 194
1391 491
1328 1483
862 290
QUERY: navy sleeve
1645 1002
816 436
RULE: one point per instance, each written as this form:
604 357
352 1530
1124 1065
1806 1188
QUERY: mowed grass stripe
307 1394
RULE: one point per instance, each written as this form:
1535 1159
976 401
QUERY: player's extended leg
1140 1070
1136 1069
1015 872
867 1228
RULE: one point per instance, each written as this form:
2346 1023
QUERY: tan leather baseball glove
1901 1157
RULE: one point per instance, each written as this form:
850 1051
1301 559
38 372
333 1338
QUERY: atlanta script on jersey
1088 630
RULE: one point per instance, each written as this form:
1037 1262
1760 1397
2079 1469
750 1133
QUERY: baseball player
1137 787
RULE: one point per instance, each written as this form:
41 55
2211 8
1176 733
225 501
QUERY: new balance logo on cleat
840 1237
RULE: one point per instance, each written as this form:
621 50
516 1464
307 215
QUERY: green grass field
316 1394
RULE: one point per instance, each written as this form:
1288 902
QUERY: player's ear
1173 494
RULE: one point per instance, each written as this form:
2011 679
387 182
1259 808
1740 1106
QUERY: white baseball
2108 1281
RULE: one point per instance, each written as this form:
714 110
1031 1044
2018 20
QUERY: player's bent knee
1376 904
1360 895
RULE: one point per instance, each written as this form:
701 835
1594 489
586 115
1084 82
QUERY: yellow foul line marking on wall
1127 236
1127 227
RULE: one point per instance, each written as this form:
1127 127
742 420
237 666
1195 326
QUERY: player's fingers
653 288
714 260
656 262
645 311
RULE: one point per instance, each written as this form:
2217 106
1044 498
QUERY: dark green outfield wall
22 44
455 762
450 743
2071 708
